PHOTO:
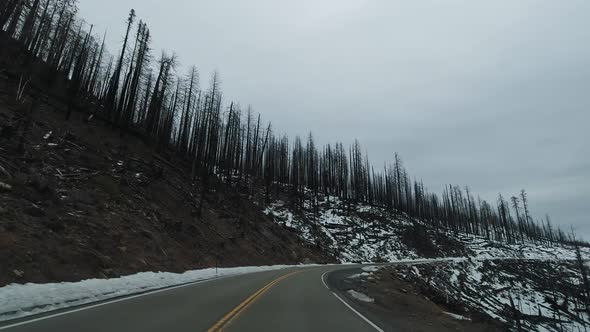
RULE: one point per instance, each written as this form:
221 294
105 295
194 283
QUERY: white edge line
348 305
125 298
359 314
323 279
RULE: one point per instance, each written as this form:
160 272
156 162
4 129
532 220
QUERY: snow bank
23 300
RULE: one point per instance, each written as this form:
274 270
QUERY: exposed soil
78 200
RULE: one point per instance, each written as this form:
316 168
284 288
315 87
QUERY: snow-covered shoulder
18 300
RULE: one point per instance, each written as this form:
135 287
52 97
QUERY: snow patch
360 296
359 275
359 233
455 316
354 234
372 268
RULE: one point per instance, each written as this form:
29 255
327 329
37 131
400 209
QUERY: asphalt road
284 300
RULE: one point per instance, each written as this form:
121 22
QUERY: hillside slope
78 200
362 233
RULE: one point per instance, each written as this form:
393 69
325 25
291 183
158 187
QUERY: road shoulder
395 305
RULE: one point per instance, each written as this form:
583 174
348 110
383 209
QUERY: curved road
284 300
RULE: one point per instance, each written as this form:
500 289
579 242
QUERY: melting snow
371 268
359 275
369 234
361 296
351 238
455 316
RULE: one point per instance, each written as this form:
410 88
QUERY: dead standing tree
111 97
189 122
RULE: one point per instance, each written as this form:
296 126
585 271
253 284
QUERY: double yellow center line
232 315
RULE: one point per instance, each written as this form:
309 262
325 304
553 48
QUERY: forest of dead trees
141 93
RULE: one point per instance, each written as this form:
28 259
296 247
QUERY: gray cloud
491 94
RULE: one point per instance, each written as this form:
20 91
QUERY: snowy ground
370 234
351 238
485 249
537 295
22 300
528 284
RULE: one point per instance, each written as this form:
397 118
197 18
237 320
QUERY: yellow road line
235 312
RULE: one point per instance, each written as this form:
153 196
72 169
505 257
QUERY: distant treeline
137 93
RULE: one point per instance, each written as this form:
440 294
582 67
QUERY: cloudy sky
490 94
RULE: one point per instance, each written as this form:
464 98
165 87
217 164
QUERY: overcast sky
490 94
